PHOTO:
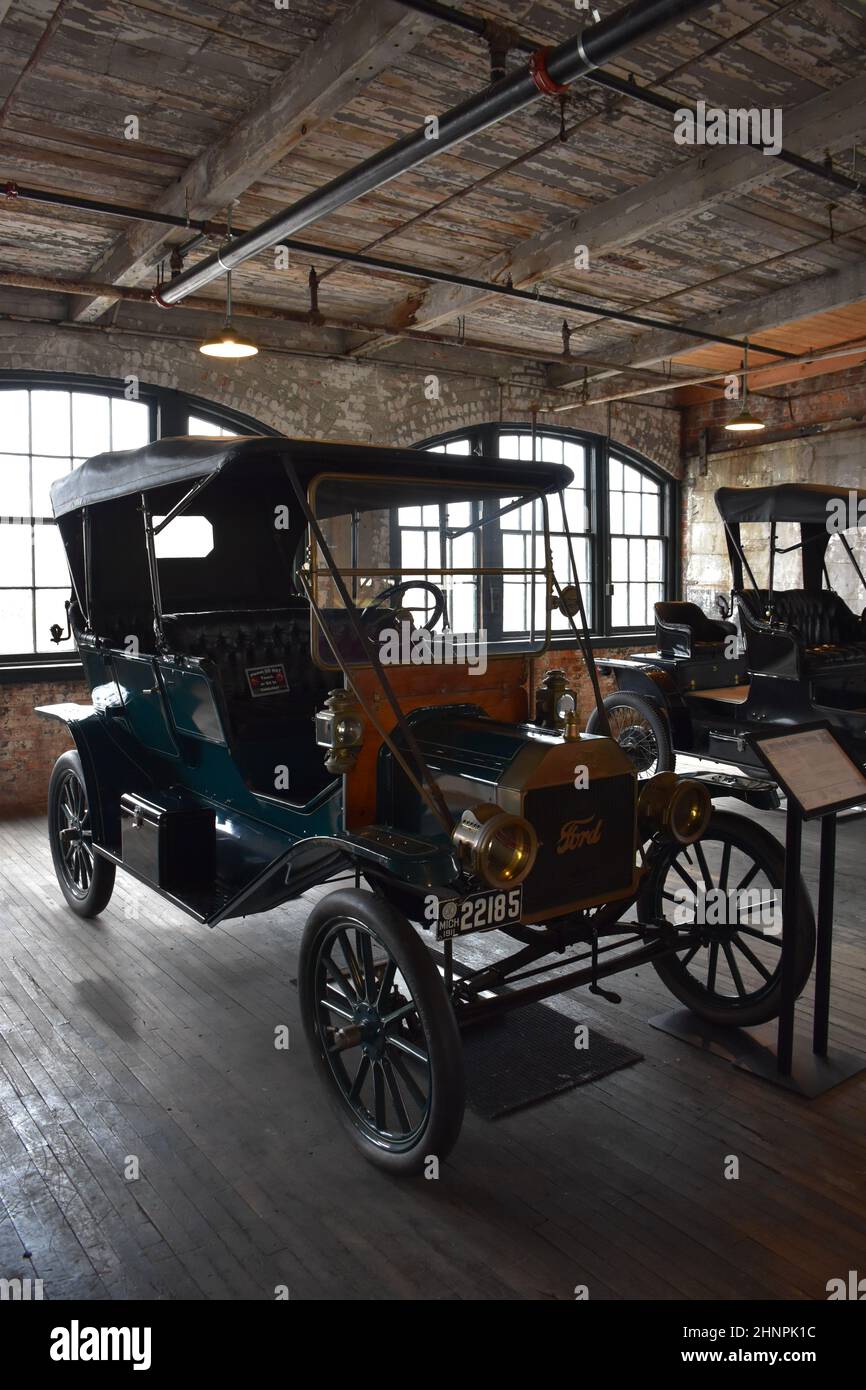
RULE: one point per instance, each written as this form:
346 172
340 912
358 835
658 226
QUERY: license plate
479 912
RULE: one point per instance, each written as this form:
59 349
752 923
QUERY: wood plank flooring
143 1043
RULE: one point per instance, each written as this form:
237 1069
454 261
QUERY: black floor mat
529 1056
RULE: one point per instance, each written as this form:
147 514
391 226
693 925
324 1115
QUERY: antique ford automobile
310 664
792 656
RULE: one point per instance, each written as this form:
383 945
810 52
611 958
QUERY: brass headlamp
340 729
677 808
496 846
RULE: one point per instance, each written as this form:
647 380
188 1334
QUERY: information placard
813 769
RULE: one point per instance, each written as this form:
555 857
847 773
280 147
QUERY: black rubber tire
87 899
626 699
444 1115
728 1010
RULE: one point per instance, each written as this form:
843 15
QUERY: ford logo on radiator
577 833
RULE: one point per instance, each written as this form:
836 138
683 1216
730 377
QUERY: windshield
464 565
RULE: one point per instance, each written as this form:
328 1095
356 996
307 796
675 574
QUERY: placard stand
796 760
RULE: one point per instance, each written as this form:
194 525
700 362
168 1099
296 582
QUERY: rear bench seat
826 630
270 689
261 658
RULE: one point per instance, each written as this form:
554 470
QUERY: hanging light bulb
228 343
745 422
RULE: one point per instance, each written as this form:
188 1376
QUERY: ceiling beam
830 121
354 50
774 374
821 294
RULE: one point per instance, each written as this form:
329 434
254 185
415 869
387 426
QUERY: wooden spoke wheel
86 880
382 1031
724 894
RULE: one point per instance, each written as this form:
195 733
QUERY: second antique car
793 655
310 664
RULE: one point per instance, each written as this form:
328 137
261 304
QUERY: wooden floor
144 1037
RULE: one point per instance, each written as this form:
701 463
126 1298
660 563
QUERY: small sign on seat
267 680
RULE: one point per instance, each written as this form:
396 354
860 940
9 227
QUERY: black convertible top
806 503
185 460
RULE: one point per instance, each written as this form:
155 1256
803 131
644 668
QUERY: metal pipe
19 279
69 200
360 258
622 86
549 71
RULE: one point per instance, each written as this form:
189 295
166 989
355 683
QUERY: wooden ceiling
675 233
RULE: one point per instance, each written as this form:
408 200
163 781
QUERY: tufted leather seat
270 728
829 634
238 642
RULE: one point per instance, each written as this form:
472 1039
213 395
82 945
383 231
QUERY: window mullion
601 517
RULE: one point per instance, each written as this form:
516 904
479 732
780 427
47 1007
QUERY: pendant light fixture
228 343
745 422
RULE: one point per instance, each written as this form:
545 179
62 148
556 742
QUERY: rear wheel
641 731
382 1031
727 888
86 880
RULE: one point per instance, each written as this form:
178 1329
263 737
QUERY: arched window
621 515
48 425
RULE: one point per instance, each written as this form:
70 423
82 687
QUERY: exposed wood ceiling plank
755 316
369 37
828 121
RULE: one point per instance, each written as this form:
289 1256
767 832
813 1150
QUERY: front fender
107 768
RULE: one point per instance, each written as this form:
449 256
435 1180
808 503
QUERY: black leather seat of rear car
683 629
828 630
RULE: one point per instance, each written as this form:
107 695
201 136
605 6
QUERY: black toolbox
169 844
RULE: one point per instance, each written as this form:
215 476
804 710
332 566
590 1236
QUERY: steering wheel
397 591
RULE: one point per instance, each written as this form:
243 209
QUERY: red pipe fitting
541 77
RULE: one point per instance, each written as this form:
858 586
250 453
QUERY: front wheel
382 1031
724 893
641 731
86 880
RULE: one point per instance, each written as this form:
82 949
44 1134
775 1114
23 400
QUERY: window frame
168 414
483 440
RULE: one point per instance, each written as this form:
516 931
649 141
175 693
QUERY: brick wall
29 745
574 666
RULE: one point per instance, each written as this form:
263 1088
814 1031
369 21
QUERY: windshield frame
317 567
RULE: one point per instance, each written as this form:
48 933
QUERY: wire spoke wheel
635 736
724 896
382 1031
641 731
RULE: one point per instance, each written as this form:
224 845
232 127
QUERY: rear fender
651 682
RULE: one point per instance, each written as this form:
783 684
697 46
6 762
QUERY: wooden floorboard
144 1038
